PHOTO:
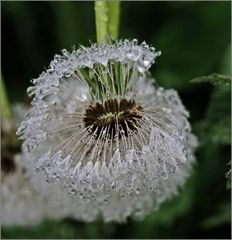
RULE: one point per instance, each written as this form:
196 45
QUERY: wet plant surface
194 38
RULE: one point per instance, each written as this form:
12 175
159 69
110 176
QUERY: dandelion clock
26 198
101 129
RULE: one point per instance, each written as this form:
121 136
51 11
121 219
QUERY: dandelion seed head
99 127
16 194
26 199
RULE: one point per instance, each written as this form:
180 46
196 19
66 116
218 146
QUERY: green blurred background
194 38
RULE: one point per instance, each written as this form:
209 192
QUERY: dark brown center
114 116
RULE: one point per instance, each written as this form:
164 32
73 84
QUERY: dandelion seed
99 124
25 198
19 205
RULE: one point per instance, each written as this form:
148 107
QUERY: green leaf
214 78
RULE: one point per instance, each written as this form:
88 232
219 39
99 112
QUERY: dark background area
194 38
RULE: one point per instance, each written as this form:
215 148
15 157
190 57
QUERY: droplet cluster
100 129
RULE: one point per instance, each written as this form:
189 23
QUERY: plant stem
101 18
114 18
107 17
5 106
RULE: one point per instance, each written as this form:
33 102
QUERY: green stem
107 17
101 18
114 18
5 106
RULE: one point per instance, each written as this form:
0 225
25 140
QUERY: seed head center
114 117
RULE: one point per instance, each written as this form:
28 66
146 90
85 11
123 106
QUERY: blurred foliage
215 79
5 108
215 128
222 217
228 176
194 38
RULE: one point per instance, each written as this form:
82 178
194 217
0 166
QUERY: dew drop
164 174
73 192
146 63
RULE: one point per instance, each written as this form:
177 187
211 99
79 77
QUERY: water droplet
164 174
137 191
146 63
73 191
